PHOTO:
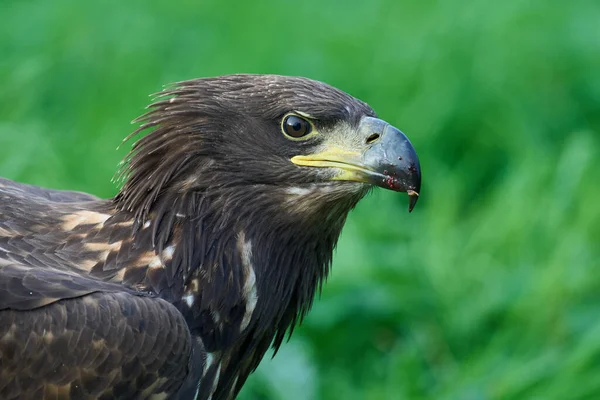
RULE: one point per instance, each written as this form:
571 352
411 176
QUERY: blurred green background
489 290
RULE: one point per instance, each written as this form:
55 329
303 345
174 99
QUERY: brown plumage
210 253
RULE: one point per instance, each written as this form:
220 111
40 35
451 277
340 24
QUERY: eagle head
299 141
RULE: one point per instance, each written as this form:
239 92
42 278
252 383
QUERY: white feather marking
168 252
216 317
215 382
70 221
250 293
5 233
147 224
189 300
102 246
210 359
233 385
298 191
104 255
155 262
303 191
191 291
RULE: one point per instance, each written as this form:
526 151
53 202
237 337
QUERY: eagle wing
70 337
67 335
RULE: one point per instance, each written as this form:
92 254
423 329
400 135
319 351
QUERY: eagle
222 231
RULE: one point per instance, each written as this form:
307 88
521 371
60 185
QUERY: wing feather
77 317
111 345
52 195
23 287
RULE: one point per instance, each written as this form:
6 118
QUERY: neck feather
251 255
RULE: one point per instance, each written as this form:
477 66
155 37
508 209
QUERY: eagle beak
386 159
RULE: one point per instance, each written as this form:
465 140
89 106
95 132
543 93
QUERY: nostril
373 138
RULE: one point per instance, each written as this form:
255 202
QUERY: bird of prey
211 252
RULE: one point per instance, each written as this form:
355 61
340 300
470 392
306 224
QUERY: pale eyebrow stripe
303 114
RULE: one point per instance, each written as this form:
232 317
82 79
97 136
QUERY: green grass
489 290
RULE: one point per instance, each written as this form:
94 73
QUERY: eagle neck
242 259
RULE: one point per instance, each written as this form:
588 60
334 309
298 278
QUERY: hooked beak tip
412 199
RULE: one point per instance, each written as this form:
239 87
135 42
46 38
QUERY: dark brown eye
295 126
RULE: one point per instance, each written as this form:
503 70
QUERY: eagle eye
295 126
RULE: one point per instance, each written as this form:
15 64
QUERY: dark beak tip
412 199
